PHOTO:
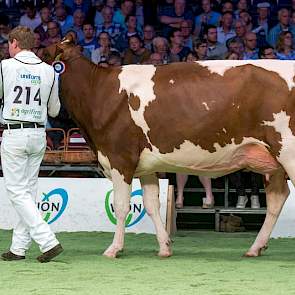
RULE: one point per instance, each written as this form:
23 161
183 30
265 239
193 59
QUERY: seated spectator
122 42
186 32
45 15
227 6
104 50
155 59
216 50
112 4
200 49
148 36
176 45
181 180
89 41
284 46
235 45
115 59
240 29
78 20
283 25
4 50
65 21
246 17
191 57
31 18
238 181
262 23
127 7
251 50
207 17
136 53
5 27
267 52
171 18
53 34
225 31
242 5
161 46
113 29
38 47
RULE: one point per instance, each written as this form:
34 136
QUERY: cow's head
63 50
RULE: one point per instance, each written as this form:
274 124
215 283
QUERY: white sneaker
242 201
255 202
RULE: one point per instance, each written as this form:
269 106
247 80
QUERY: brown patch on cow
134 102
95 104
238 102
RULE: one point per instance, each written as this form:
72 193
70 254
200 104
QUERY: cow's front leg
151 202
277 192
122 207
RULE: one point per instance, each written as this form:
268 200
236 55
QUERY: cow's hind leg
277 192
122 192
150 187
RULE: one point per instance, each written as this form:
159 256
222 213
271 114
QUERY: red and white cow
209 118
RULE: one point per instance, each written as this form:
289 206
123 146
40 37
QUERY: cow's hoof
165 253
255 253
112 252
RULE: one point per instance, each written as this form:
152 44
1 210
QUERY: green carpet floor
203 263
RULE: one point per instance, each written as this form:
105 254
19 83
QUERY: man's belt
23 125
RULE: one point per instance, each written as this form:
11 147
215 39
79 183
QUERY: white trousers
22 151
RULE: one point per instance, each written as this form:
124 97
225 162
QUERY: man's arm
53 102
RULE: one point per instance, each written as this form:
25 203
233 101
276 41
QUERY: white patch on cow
224 130
281 125
206 106
192 159
105 163
138 80
171 81
284 68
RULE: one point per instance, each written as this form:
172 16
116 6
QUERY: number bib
26 90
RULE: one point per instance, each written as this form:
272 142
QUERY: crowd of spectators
113 32
121 32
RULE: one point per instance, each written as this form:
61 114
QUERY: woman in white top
102 53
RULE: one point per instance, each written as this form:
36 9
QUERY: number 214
27 90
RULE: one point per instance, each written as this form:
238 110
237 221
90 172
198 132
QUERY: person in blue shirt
284 46
89 41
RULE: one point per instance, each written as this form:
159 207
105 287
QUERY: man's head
250 40
160 45
148 32
210 34
135 43
206 6
284 16
227 6
246 17
88 30
53 29
131 22
240 28
176 37
127 7
45 15
78 17
20 38
30 10
186 28
267 52
236 45
179 6
227 19
263 10
107 14
156 59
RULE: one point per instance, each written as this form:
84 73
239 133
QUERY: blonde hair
24 36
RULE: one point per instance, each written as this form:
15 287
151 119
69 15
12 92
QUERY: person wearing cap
262 23
29 89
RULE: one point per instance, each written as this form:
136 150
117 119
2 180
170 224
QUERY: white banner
285 226
84 204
